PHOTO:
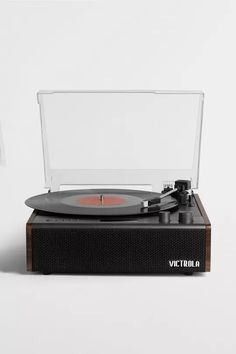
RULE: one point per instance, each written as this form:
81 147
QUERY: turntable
129 161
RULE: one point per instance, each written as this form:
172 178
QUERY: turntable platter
99 202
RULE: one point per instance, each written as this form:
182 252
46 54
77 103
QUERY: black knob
164 217
186 217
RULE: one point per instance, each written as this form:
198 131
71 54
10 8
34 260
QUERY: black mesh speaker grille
106 250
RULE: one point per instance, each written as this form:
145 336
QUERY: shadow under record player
134 159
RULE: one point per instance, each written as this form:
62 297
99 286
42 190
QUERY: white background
116 45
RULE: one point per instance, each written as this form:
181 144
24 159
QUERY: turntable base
148 244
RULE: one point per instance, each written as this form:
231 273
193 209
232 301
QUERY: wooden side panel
29 260
208 249
208 234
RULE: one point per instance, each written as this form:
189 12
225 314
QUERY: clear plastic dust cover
120 138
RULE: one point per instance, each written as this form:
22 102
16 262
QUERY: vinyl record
99 202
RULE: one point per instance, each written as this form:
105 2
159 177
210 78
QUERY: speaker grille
115 250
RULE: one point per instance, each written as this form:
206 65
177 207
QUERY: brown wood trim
208 234
208 249
29 261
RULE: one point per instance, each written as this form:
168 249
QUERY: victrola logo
184 263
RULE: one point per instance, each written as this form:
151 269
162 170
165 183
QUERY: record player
129 165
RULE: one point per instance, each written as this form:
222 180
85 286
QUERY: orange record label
101 200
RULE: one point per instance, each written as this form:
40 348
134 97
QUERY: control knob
186 217
164 217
